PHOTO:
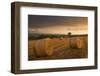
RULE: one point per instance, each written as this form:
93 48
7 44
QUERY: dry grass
58 48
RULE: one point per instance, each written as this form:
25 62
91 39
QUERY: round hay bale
80 42
46 47
42 46
77 42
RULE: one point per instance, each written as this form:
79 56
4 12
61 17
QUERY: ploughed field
70 47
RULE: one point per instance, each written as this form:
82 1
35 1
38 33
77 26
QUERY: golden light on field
52 48
49 37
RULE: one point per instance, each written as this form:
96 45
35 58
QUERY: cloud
57 24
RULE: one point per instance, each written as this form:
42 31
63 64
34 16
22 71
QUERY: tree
69 34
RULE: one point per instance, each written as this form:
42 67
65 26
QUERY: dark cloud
41 21
57 24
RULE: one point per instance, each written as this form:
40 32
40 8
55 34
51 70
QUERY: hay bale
40 47
43 47
46 47
77 42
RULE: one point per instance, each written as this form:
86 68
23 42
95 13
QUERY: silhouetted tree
69 34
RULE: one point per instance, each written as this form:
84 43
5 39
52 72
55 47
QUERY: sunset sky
57 24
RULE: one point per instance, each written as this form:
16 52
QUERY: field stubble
58 48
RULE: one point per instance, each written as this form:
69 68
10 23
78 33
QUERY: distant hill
41 36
